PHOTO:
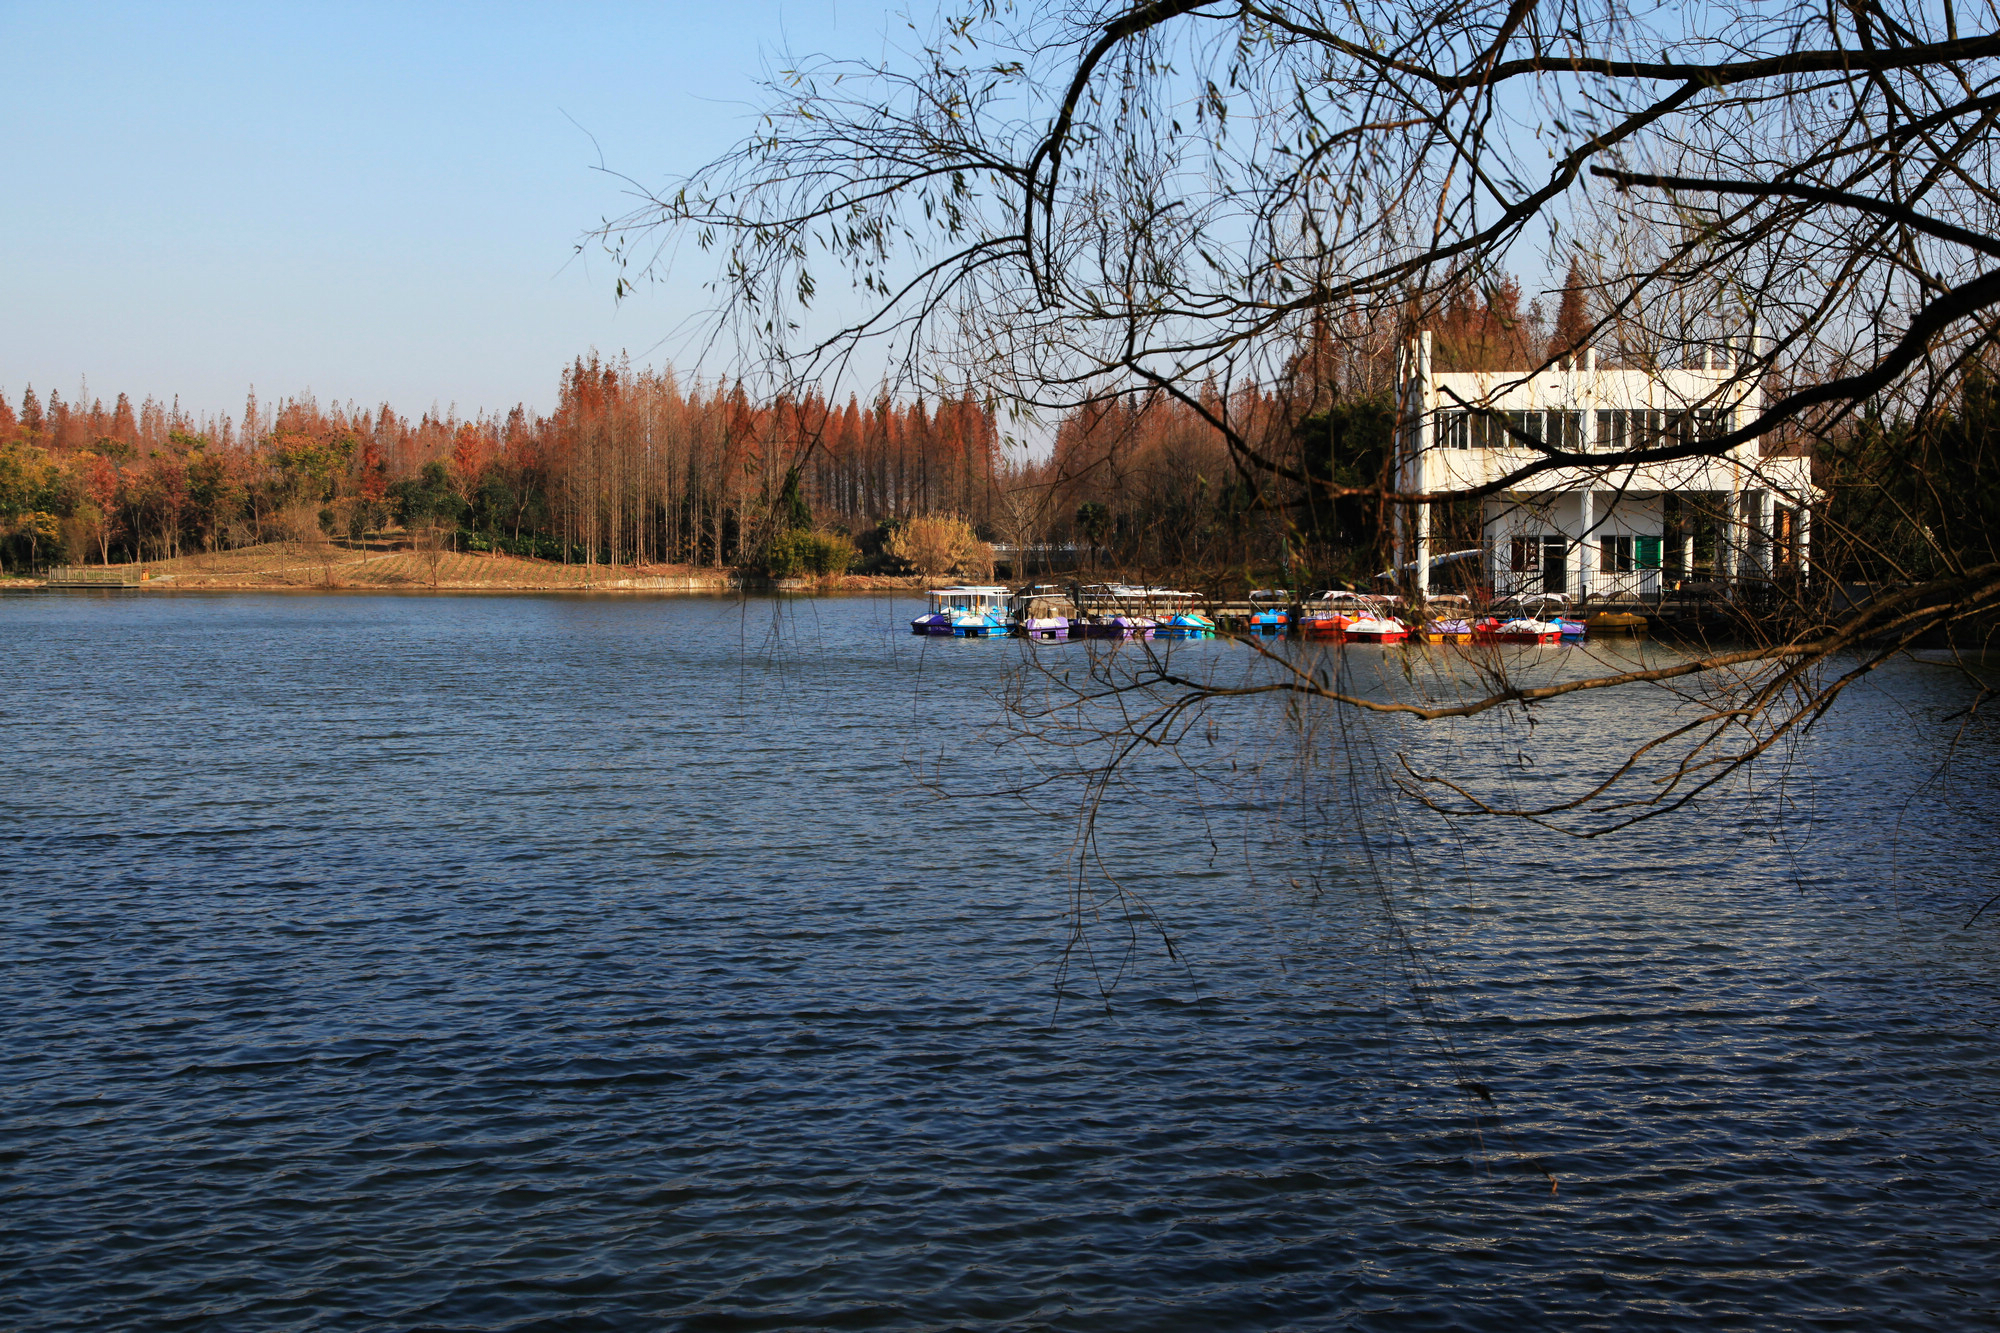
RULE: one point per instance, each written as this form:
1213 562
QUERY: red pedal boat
1521 630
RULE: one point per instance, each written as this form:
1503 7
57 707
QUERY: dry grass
298 565
306 565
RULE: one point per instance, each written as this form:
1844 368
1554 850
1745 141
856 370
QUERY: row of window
1616 428
1615 555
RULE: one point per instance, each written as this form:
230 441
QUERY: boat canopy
1131 590
1043 606
1130 599
967 598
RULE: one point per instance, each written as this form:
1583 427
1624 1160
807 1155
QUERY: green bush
832 553
797 552
784 558
532 547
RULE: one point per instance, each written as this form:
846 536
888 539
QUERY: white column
1489 539
1725 536
1409 417
1805 542
1767 522
1586 519
1426 443
1421 546
1748 565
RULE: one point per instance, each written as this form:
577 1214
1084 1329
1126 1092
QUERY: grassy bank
303 565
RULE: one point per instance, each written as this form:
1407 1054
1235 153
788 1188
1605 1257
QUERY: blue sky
375 202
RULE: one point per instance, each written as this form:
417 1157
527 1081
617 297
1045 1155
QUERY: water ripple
540 963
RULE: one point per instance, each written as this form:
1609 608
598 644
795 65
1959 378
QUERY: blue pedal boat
1175 616
967 612
1269 613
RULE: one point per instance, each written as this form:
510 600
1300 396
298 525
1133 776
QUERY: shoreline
287 567
163 587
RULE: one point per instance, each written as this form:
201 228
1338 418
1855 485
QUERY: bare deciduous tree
1022 515
1073 200
432 543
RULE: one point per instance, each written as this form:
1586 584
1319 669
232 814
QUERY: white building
1613 532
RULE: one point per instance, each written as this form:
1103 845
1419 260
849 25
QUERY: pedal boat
1446 631
1449 619
1268 613
1617 622
965 613
1548 607
1042 612
1328 615
1174 616
1523 629
1121 627
1317 623
1377 629
1185 625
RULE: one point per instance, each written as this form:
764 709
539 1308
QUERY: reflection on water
503 963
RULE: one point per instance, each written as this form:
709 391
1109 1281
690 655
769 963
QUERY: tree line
637 467
634 467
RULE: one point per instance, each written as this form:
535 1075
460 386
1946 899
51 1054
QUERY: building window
1566 430
1488 429
1646 552
1711 423
1622 428
1527 555
1615 555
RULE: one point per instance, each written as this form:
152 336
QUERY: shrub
875 557
784 557
941 544
831 553
795 552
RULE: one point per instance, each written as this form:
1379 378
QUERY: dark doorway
1555 565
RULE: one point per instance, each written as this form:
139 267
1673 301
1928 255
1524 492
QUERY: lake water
514 963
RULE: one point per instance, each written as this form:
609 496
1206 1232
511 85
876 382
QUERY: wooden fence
85 576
